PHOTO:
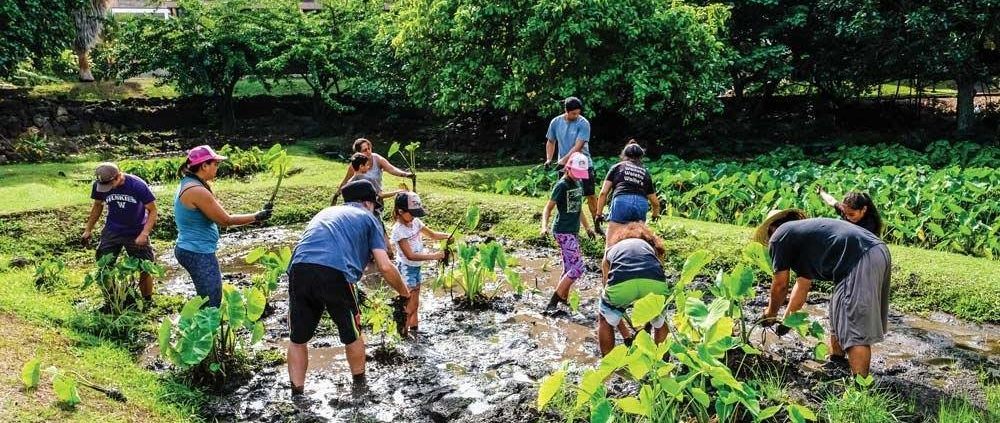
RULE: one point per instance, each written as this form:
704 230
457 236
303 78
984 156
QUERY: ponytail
188 171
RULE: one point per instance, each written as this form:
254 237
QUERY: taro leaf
258 333
514 280
163 336
234 310
796 320
192 306
574 301
412 146
821 352
285 257
550 385
739 281
65 389
696 309
255 302
614 360
757 254
589 384
816 330
648 308
721 375
638 365
393 149
864 381
800 414
750 350
472 217
255 255
632 405
31 372
197 341
694 263
600 411
645 343
671 386
716 311
700 396
767 413
720 330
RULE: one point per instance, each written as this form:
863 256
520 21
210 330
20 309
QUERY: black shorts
113 244
313 289
588 185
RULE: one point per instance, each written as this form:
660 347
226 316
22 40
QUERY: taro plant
119 281
685 377
63 385
410 157
275 263
49 274
214 340
376 312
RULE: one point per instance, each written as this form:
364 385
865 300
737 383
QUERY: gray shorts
114 243
859 307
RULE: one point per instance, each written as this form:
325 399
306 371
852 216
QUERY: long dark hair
191 171
871 219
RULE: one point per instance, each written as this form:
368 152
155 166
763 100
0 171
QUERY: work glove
547 166
781 329
269 206
262 215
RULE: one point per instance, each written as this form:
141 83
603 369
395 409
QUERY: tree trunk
965 109
227 114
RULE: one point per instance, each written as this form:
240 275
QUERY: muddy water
483 365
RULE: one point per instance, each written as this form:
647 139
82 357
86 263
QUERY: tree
33 29
626 56
208 48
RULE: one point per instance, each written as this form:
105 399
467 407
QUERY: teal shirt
568 196
195 231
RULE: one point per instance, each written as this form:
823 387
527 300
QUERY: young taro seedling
376 312
49 274
275 263
118 281
410 157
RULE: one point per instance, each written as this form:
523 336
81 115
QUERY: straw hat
760 235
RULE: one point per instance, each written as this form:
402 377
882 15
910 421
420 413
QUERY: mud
483 366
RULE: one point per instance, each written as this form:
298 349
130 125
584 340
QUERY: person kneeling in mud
327 263
632 268
407 238
858 263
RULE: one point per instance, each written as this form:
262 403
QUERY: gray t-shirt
633 258
567 133
820 248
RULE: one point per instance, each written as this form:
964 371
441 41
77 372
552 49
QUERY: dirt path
483 365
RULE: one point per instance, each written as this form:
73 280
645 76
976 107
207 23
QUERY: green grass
35 324
857 405
147 87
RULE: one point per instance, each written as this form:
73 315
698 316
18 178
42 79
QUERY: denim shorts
627 208
410 274
614 316
205 273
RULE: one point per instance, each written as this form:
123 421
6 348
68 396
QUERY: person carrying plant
631 269
633 190
327 263
198 215
407 238
131 217
374 173
856 260
567 197
570 132
857 208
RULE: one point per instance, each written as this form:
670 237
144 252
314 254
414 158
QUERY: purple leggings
569 244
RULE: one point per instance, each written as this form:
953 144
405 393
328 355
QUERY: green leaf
700 396
255 303
600 411
767 413
821 352
258 333
192 306
574 301
31 372
800 414
816 330
234 310
797 319
472 217
65 389
865 381
693 265
393 149
721 329
648 308
758 255
550 385
255 255
631 405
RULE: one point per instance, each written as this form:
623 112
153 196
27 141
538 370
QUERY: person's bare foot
86 76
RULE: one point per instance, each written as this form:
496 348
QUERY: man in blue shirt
327 263
570 133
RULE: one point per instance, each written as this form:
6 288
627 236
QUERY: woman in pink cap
198 215
567 198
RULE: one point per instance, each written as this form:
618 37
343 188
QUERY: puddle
484 365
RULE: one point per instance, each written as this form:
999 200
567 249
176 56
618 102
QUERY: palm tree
89 20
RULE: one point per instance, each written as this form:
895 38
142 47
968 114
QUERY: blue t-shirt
342 238
126 206
567 133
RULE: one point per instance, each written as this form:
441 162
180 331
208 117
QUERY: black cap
360 190
410 202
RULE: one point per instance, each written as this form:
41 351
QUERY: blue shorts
614 316
410 274
629 208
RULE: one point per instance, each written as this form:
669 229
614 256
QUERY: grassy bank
923 280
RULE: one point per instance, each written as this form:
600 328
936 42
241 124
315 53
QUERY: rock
448 408
40 121
3 159
61 111
19 262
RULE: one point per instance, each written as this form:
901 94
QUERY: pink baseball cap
578 165
203 153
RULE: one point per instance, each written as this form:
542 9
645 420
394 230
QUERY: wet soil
483 365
